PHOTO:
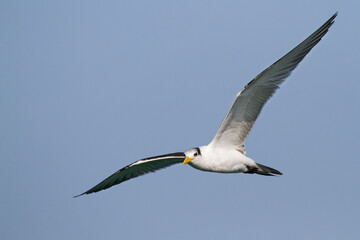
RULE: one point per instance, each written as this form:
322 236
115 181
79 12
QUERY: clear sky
87 87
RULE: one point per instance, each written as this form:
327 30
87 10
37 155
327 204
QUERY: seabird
226 152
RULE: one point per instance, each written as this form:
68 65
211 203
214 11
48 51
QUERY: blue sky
87 87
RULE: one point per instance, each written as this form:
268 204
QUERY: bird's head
192 154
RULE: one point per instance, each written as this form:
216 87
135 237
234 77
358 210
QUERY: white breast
224 160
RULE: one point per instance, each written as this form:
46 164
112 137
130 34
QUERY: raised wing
250 100
138 168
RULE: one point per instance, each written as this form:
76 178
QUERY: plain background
87 87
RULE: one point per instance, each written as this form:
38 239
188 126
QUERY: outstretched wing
138 168
250 100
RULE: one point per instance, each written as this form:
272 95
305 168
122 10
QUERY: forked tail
267 171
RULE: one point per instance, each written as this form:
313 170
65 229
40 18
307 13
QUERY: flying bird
226 152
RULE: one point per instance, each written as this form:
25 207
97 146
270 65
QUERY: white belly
222 160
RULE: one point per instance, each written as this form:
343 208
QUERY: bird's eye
195 154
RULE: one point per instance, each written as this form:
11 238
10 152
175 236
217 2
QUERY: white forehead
191 151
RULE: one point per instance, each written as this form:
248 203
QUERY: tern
226 152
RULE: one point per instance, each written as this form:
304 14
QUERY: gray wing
250 100
136 169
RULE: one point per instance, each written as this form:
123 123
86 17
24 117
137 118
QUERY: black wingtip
79 195
334 16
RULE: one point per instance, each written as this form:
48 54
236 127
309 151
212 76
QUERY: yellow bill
187 160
